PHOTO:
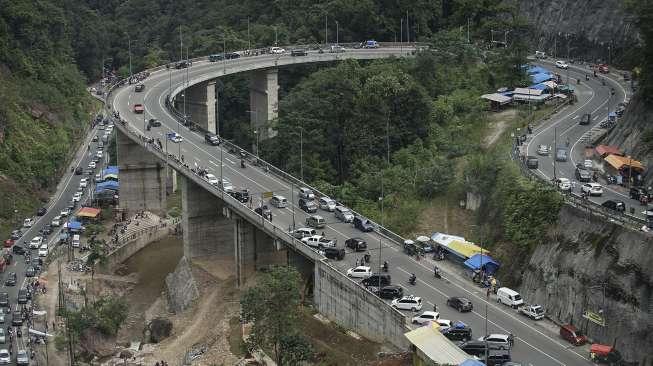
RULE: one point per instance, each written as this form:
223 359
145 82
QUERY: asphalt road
58 202
535 343
593 98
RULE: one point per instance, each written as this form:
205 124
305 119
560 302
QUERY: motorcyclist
242 163
612 91
385 266
436 271
412 279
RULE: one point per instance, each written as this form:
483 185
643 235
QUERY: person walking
511 340
488 293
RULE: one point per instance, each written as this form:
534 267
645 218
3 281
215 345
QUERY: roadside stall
88 214
624 166
605 150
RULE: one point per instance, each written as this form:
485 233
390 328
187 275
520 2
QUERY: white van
76 241
509 297
279 201
540 54
304 232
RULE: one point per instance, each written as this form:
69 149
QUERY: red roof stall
605 150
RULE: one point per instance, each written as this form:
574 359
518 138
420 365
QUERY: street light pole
326 37
337 30
401 36
129 40
301 152
249 43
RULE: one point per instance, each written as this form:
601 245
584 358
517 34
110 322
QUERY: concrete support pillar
269 251
201 105
171 181
303 265
142 178
263 101
207 231
245 242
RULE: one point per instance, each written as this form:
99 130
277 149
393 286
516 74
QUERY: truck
534 311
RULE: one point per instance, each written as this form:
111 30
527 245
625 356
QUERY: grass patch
236 344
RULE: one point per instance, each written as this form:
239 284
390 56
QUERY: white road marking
576 117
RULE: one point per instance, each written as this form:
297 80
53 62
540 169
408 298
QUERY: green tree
272 306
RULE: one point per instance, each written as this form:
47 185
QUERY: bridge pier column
255 250
171 180
207 231
263 102
142 178
201 105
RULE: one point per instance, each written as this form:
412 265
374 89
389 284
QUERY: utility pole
407 29
301 152
224 54
555 148
468 30
401 35
129 40
181 45
337 25
326 37
249 43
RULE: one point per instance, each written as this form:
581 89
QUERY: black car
4 299
377 279
391 292
585 119
334 253
153 122
16 318
231 55
307 205
212 139
241 195
22 296
583 175
182 65
41 211
532 162
614 205
458 332
11 279
47 230
497 358
476 348
16 234
357 244
79 170
460 303
637 192
264 211
30 271
17 249
363 224
298 52
139 88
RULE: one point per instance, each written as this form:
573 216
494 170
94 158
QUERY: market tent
536 70
480 261
527 91
110 184
472 362
541 77
112 169
89 212
465 248
605 150
73 225
527 97
433 347
496 97
621 162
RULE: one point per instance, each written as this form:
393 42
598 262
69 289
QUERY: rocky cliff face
590 264
580 29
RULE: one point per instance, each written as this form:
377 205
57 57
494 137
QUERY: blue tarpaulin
536 70
541 77
479 261
110 184
538 86
74 225
112 169
472 362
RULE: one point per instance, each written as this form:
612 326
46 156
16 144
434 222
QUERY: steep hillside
588 264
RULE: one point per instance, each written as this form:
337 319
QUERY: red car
138 108
573 335
8 243
603 68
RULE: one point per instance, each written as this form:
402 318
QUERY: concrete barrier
349 305
122 253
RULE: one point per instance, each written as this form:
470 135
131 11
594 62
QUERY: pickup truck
535 312
318 241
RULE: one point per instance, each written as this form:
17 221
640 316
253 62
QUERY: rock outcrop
593 265
181 287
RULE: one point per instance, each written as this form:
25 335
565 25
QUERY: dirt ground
499 122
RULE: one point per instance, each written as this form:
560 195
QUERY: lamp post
301 152
256 130
129 40
337 30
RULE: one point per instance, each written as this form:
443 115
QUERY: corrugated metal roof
436 346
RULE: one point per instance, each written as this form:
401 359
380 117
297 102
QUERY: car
98 178
4 299
65 212
460 303
563 184
637 192
343 214
277 50
615 205
363 224
35 242
532 162
226 185
92 165
95 138
211 179
371 44
174 137
561 154
306 193
3 338
540 54
359 272
83 183
216 57
182 65
572 335
357 244
476 348
138 109
264 211
231 55
502 341
298 52
43 250
16 234
303 232
16 318
96 159
242 195
377 280
425 317
585 119
542 150
443 324
498 358
77 197
56 221
153 122
101 128
333 253
412 303
318 241
279 201
41 211
583 175
28 222
603 68
11 279
390 292
30 271
212 139
458 331
315 221
561 64
139 88
592 189
5 357
22 296
79 170
327 204
307 205
337 49
99 154
22 359
17 249
587 163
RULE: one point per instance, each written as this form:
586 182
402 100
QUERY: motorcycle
384 267
436 272
242 163
412 280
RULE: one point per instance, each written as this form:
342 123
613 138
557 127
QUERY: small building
86 214
605 150
431 348
497 101
624 165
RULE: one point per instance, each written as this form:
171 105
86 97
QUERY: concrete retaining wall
346 303
128 249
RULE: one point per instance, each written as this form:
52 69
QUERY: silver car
327 204
5 357
22 358
343 214
3 337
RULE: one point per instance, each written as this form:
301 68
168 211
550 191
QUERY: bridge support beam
201 105
263 102
255 250
207 230
142 178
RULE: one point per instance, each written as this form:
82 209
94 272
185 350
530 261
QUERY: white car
563 184
64 212
412 303
501 340
5 357
92 165
359 272
56 221
327 204
343 214
35 242
175 137
28 222
99 154
43 250
277 50
587 163
425 317
592 189
318 241
444 323
542 150
561 65
226 185
83 183
211 179
77 197
22 359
